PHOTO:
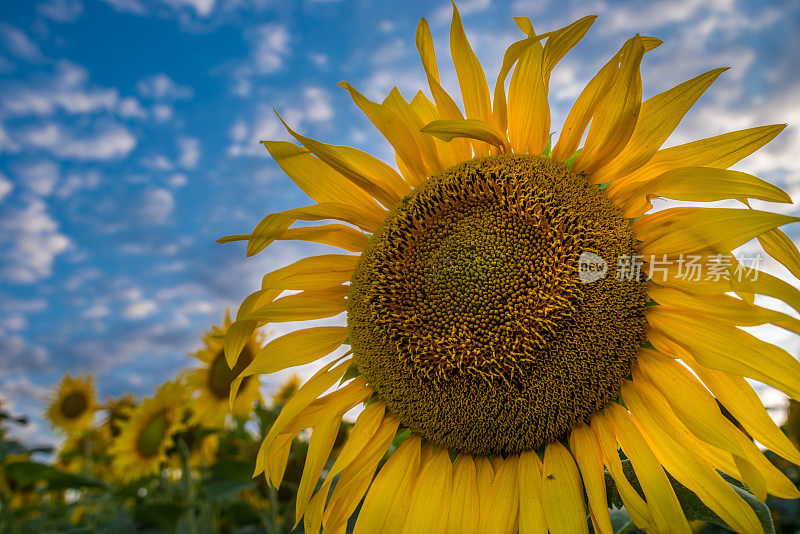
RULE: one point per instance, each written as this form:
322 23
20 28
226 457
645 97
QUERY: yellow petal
661 499
367 172
416 116
710 341
301 307
705 421
471 78
687 230
308 392
447 130
720 151
485 473
510 58
357 216
464 515
312 273
684 464
430 501
615 118
335 235
395 130
531 511
658 118
721 307
342 504
528 109
387 502
562 491
702 184
500 511
371 454
319 449
779 246
634 504
743 403
563 40
426 111
298 347
317 179
587 453
367 424
235 339
688 398
267 231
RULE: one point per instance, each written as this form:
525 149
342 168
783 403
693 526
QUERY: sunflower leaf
691 504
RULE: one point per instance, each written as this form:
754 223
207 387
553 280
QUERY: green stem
273 508
188 487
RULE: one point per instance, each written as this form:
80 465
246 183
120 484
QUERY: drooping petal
531 508
430 501
335 235
386 505
587 453
500 510
779 246
661 499
319 449
465 510
562 491
447 130
688 469
302 306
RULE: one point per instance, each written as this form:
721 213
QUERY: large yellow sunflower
141 447
212 382
499 316
72 405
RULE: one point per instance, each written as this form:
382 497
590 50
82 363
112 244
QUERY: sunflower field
512 321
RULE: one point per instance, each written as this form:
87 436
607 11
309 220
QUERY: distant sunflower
142 445
211 383
472 331
72 405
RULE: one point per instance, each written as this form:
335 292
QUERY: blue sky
129 137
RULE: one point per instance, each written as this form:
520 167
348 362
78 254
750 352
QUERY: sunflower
509 333
212 382
142 445
73 404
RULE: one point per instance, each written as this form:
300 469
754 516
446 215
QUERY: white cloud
130 108
40 177
30 240
203 8
177 180
96 311
5 186
155 206
189 148
140 309
162 87
61 10
270 45
76 181
18 43
317 104
465 7
162 112
127 6
158 162
67 90
105 141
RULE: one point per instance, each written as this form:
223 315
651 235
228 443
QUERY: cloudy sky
129 137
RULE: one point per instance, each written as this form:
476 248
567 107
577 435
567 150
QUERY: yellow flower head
505 313
211 383
142 445
73 404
